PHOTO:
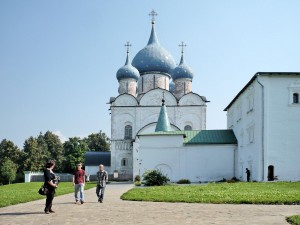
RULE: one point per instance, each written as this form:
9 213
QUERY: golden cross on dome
182 45
153 14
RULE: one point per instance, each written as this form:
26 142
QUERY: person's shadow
20 213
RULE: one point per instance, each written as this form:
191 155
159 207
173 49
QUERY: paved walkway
117 212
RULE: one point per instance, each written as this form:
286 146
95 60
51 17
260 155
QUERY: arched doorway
270 173
165 169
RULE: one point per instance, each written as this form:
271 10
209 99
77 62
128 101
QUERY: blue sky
59 58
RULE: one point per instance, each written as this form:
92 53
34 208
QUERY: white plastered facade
169 154
266 124
142 116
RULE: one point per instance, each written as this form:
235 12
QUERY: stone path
115 211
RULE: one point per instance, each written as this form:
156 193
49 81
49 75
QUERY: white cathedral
158 122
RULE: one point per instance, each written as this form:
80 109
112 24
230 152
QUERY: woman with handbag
50 185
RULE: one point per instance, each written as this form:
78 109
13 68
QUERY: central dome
153 58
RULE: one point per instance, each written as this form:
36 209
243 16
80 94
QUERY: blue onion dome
182 71
171 86
154 58
128 71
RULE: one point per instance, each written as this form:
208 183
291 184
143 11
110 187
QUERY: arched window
187 127
128 132
295 98
124 162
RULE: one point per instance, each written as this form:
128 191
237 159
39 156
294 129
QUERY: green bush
137 178
154 178
137 183
184 181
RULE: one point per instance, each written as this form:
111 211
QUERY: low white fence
39 176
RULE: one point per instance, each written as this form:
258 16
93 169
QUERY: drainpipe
262 127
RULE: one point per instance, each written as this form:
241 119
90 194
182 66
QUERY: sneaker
101 200
81 202
51 211
47 212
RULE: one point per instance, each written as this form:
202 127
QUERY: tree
9 150
98 142
8 170
75 150
43 147
55 149
35 154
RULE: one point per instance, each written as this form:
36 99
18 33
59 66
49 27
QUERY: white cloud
61 136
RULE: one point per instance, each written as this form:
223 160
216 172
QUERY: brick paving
115 211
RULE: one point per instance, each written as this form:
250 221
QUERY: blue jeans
79 188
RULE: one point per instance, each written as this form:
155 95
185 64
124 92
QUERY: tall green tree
9 150
8 170
35 154
43 147
98 142
55 149
75 150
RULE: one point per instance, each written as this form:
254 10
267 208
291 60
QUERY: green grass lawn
294 220
13 194
221 193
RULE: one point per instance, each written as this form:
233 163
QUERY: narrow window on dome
184 88
128 132
153 81
127 87
295 98
142 84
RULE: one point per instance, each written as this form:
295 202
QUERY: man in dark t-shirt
78 182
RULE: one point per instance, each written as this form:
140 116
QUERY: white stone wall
267 128
154 97
127 86
182 87
282 127
188 112
245 118
148 82
143 114
194 162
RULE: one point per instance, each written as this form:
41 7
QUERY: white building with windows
265 117
263 122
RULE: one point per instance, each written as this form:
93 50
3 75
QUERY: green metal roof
163 123
202 137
